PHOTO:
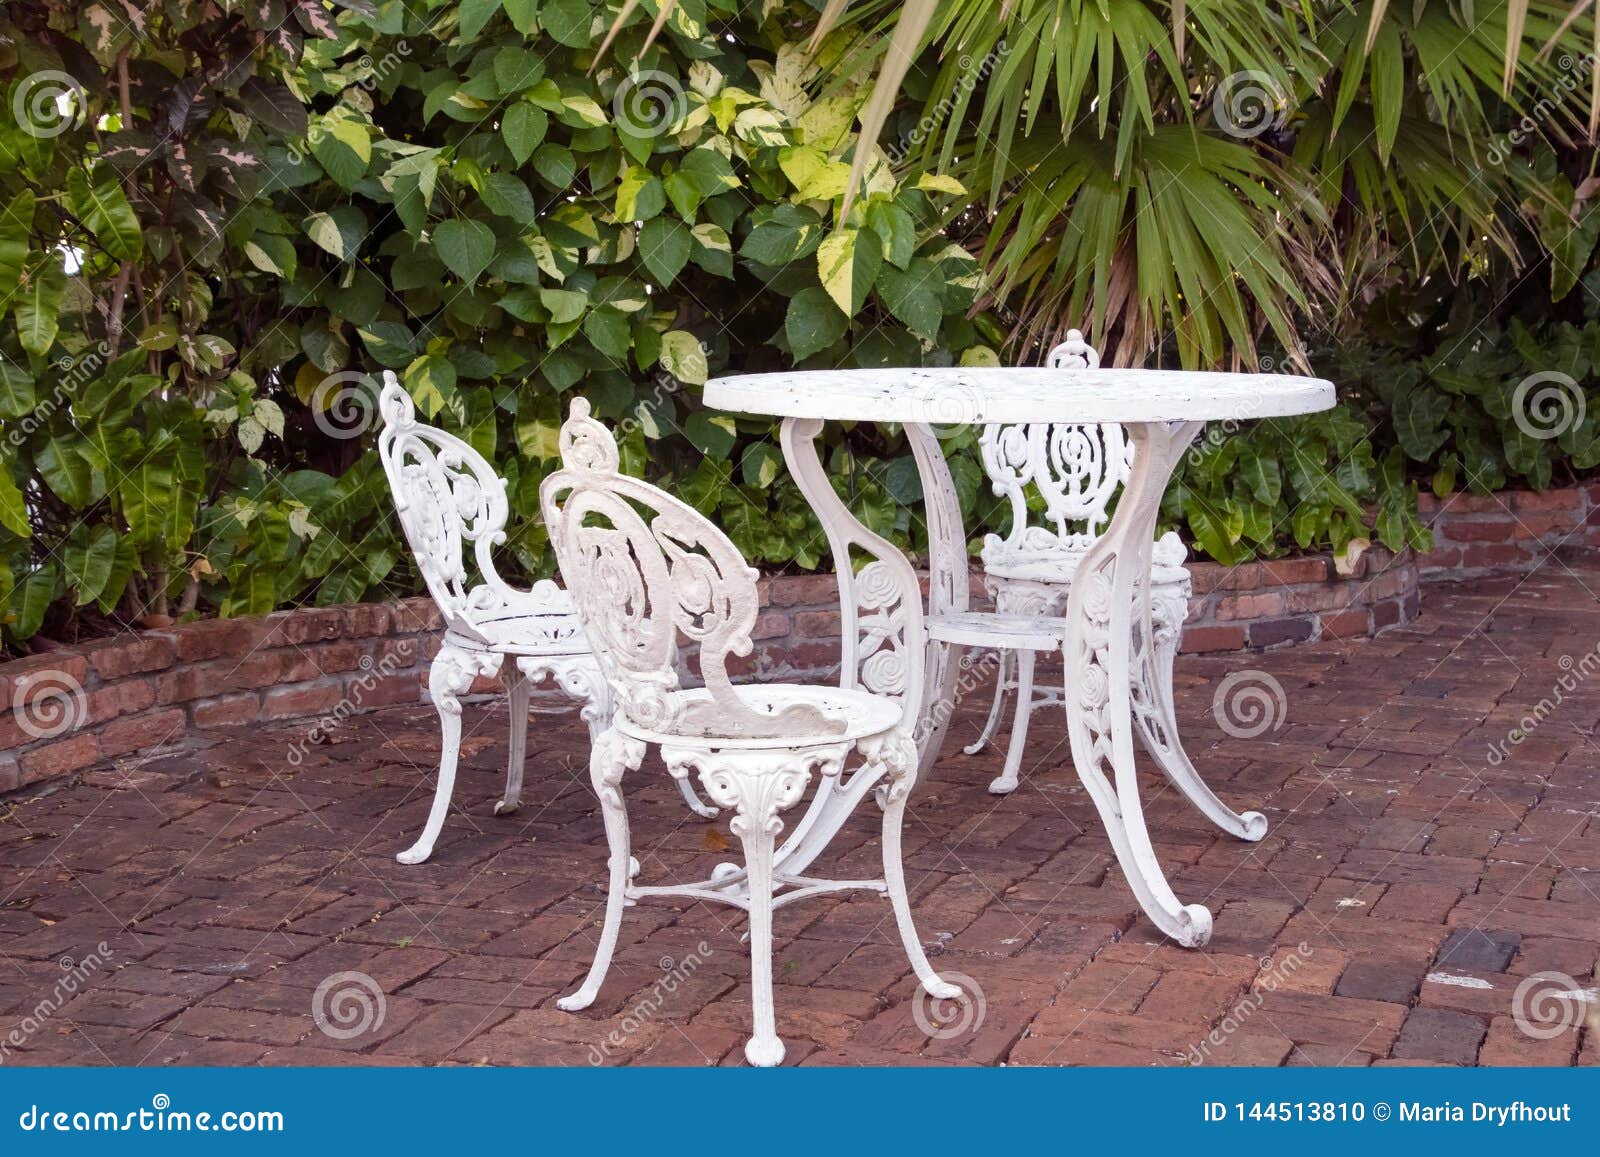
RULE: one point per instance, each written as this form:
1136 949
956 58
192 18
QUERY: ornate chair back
1076 469
447 496
643 567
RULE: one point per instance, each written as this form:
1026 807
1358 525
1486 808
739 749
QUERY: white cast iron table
1108 610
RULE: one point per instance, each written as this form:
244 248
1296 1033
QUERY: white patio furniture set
644 571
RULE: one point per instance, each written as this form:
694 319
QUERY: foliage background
262 203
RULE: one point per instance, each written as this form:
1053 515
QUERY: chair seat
847 716
517 633
990 629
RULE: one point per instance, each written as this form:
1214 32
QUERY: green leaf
14 226
465 246
13 510
431 382
343 148
848 268
507 196
523 127
104 210
31 598
914 296
684 357
555 164
524 15
607 330
565 305
812 322
38 305
474 14
664 247
86 561
16 391
711 433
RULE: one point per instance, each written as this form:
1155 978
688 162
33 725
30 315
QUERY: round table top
992 394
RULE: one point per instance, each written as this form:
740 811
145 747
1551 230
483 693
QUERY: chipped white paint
1455 981
1116 632
646 568
448 497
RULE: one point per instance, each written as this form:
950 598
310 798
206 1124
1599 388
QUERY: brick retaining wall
142 690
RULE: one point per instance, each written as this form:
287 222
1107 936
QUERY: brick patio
1407 885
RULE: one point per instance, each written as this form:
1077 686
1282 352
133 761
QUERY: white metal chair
645 567
448 496
1076 470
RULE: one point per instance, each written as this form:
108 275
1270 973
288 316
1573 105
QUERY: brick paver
1433 799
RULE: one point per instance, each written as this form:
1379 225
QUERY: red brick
60 757
1252 606
817 624
149 730
1290 571
123 697
774 625
293 702
1567 498
131 654
415 616
1270 632
1351 624
227 710
1206 577
1213 638
1493 554
217 638
306 625
10 774
804 590
366 620
1495 530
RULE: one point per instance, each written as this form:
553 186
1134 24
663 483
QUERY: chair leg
1007 658
519 691
899 757
1006 783
613 755
448 679
757 786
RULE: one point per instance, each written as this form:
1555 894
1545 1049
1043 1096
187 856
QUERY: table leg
1108 630
883 646
948 589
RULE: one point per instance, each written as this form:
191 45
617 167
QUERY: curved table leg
883 646
1109 605
947 584
1157 719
